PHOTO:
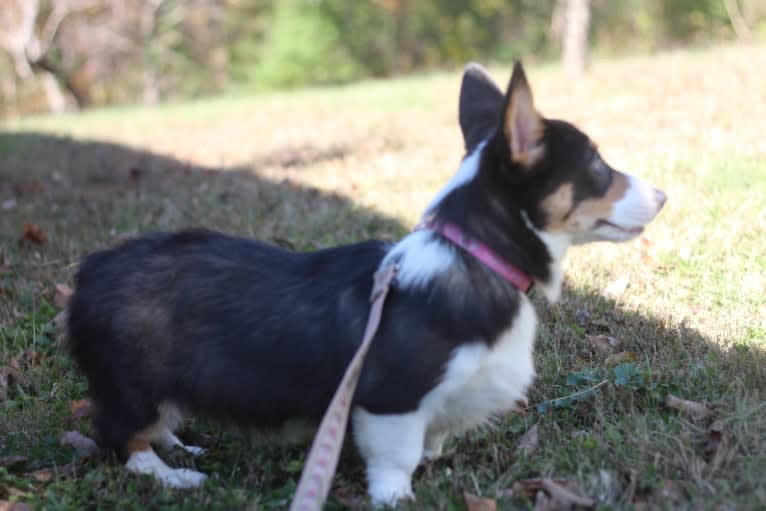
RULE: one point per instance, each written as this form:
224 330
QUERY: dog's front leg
433 444
391 446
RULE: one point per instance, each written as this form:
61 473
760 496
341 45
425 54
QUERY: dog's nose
661 197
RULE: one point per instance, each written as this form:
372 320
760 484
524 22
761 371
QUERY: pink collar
483 253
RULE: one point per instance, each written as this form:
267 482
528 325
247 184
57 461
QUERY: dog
252 334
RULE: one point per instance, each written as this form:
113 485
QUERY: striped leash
322 459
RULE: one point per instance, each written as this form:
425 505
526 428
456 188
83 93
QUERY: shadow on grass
89 195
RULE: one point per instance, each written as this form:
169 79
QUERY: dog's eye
599 171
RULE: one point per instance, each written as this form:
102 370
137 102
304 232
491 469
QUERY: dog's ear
481 102
522 125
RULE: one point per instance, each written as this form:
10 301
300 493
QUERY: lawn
684 304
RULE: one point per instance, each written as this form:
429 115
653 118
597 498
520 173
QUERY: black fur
241 330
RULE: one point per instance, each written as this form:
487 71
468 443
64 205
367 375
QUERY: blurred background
64 55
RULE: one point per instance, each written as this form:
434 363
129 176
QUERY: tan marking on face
138 443
591 210
557 205
582 218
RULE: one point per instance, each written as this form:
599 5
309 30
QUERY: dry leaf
604 344
528 442
564 499
45 475
671 489
14 506
530 487
474 503
7 461
80 408
552 494
63 293
32 233
713 440
32 358
41 476
692 408
621 358
85 446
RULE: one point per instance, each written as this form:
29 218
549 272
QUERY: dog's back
211 322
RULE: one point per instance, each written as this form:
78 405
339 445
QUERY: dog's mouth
632 230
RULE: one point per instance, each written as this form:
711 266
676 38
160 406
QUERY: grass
326 166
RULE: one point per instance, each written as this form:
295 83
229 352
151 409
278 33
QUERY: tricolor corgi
202 322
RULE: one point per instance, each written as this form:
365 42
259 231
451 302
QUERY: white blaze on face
638 206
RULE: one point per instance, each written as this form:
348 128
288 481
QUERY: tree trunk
56 98
575 43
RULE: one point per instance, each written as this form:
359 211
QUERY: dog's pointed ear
522 125
480 104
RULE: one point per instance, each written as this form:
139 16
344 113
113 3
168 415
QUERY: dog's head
552 170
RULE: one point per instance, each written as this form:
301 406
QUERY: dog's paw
182 478
194 450
387 489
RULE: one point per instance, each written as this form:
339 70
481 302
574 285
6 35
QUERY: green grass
325 166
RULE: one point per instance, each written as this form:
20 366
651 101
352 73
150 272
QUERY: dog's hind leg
143 460
162 435
391 446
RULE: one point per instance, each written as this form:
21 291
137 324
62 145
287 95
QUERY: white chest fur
482 381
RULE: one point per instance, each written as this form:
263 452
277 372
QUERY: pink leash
322 459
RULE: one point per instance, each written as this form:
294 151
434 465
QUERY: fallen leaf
528 443
530 487
84 445
33 358
521 406
42 475
45 475
79 409
14 506
604 344
30 186
692 408
8 461
563 498
621 358
33 234
713 440
671 489
474 503
63 293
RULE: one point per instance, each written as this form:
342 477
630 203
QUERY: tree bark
575 43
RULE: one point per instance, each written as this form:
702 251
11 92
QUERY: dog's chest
480 381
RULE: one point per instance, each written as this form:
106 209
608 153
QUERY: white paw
388 488
194 450
182 478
